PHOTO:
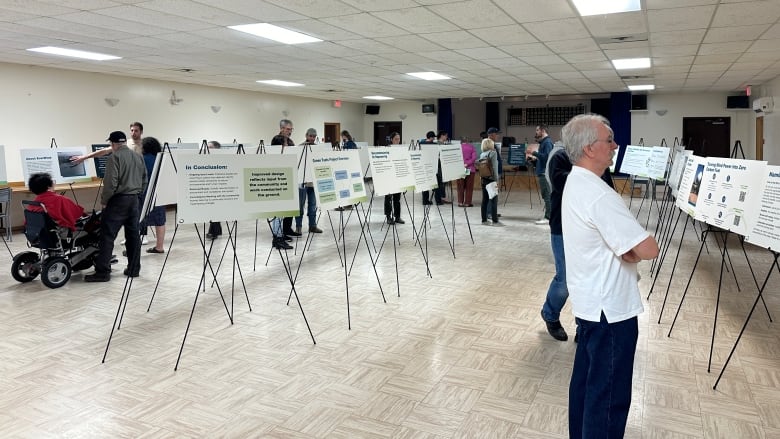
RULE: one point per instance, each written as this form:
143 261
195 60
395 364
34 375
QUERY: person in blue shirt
347 141
540 155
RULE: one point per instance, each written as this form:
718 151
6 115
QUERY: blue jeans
600 389
557 293
306 195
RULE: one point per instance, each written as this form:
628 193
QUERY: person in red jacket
61 209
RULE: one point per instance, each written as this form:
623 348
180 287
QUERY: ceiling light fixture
378 98
600 7
276 33
631 63
429 76
641 87
281 83
74 53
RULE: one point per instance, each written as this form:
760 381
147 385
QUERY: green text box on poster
268 184
323 172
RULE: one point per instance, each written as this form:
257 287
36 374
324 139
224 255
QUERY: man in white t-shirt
603 244
134 143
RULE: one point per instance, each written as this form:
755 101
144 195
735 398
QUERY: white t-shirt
135 146
597 229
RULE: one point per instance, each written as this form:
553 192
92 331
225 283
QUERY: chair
5 212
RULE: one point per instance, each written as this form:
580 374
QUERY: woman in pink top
466 185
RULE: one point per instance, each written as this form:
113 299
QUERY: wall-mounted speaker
638 102
428 108
372 109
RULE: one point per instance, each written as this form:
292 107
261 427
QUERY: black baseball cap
493 130
117 137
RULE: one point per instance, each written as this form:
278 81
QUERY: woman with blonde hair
489 204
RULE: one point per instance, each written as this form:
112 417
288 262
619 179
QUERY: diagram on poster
688 192
765 228
236 187
636 160
338 180
424 164
451 157
3 170
730 193
391 170
678 166
56 161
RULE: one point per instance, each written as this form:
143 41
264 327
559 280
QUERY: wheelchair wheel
55 272
25 267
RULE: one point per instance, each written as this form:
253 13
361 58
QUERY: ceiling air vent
622 39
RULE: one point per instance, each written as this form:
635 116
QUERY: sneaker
281 244
292 233
498 224
399 221
127 273
542 222
556 330
390 221
314 229
123 242
144 241
485 223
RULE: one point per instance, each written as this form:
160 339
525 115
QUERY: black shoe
292 233
399 221
390 221
427 203
556 330
97 277
287 238
127 273
280 244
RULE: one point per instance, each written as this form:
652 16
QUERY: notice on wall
391 169
765 227
236 187
730 193
424 164
338 180
56 162
452 167
690 184
3 170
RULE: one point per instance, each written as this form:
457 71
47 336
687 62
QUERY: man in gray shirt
124 180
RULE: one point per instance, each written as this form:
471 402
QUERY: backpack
485 167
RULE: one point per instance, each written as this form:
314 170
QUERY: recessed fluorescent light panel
641 87
276 33
74 53
429 76
631 63
281 83
601 7
378 98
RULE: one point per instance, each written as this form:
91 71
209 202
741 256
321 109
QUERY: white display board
338 179
190 145
391 169
3 170
236 187
166 192
690 185
644 161
424 166
765 227
364 162
452 167
56 161
678 166
730 193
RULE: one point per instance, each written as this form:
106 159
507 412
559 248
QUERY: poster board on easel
392 170
451 158
56 162
338 179
764 230
424 164
236 187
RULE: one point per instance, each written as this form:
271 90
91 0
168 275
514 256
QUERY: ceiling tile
280 10
584 57
463 13
364 24
734 33
716 48
567 29
611 25
677 50
697 17
415 19
668 38
503 35
747 13
534 49
571 46
482 53
454 40
525 11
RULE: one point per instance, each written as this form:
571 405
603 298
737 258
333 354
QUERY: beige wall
39 104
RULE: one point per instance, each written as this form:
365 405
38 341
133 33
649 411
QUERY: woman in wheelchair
66 239
60 208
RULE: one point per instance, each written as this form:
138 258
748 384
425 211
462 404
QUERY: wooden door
760 138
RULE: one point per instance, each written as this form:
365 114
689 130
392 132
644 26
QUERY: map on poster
391 169
765 228
338 180
56 161
235 187
730 193
643 161
3 171
690 183
424 164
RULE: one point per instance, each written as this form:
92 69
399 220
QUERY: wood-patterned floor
461 354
